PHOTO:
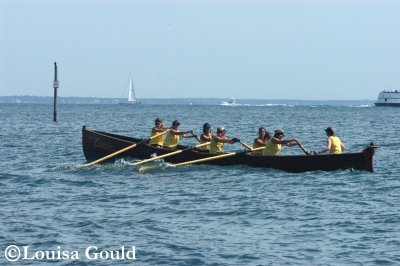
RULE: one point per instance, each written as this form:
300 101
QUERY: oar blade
150 168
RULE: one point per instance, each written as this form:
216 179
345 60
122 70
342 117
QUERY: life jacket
272 148
171 140
206 147
158 140
216 146
336 147
257 145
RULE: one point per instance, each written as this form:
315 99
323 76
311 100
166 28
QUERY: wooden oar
168 154
247 146
303 149
121 151
142 170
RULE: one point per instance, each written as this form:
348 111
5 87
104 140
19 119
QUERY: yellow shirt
336 147
216 146
272 148
206 147
158 140
171 140
256 145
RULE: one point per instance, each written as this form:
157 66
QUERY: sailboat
131 93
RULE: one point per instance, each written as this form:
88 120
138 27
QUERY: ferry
389 98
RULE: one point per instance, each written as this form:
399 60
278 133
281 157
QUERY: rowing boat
97 144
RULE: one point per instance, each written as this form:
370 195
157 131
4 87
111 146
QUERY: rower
274 145
205 137
259 142
334 145
173 135
218 141
157 129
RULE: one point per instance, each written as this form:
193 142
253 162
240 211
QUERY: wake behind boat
97 144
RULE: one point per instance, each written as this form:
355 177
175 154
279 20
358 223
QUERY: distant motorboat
231 101
389 98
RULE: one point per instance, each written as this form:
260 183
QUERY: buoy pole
55 85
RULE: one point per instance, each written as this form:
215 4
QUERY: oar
142 170
167 155
121 151
303 149
247 146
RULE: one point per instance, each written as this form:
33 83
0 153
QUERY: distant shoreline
175 101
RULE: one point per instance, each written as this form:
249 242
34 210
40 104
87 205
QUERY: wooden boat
97 144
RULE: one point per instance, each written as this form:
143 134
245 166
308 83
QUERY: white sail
131 92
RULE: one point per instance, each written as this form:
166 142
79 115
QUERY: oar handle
203 144
258 149
246 146
303 149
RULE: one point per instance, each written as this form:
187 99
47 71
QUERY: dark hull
98 144
388 104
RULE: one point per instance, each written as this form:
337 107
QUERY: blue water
199 214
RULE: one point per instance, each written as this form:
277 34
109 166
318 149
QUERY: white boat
231 101
131 93
389 98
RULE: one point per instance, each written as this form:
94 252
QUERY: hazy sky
243 49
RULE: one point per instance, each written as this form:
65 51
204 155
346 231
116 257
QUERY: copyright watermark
15 253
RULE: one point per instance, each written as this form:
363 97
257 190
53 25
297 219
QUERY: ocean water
199 214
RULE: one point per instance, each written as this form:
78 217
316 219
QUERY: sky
250 49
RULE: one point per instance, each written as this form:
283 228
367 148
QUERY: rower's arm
224 140
259 142
327 148
342 145
285 142
291 143
176 132
202 137
188 134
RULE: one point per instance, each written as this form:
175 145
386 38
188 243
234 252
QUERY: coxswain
274 145
218 141
259 142
334 145
157 129
172 138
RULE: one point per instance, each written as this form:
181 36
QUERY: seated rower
172 138
334 145
259 142
205 137
274 145
157 129
218 141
